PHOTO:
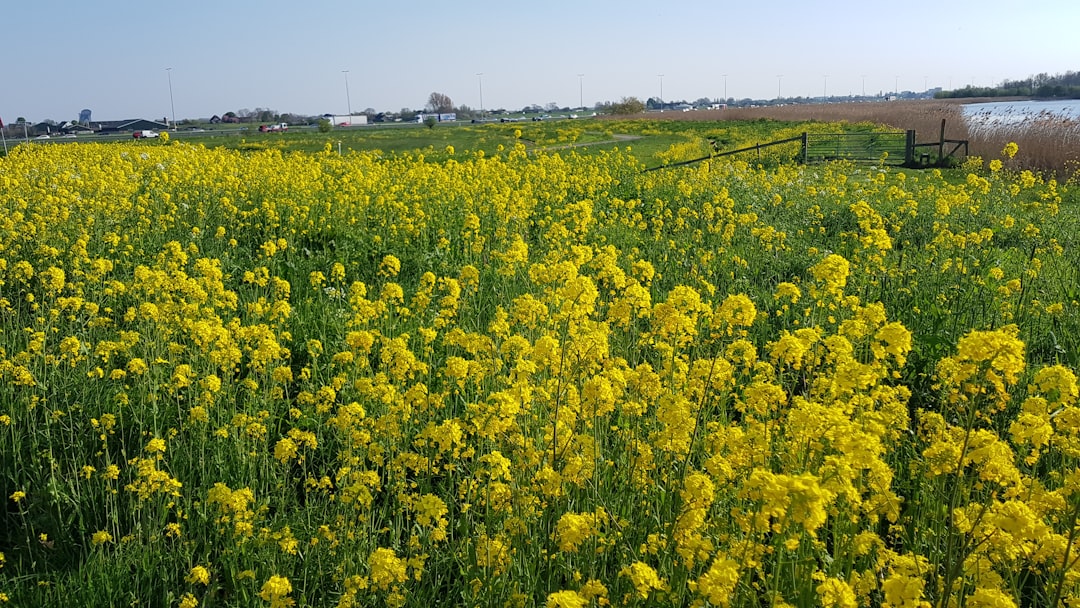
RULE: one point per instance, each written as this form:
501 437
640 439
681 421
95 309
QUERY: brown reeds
1048 142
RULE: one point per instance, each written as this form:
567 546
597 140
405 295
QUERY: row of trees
1065 85
441 103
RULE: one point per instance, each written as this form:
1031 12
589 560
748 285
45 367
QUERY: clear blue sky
111 55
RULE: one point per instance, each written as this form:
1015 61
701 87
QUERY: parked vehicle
274 128
144 134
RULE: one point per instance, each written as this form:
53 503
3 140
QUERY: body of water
1014 112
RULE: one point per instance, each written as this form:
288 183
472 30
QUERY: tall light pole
725 88
896 87
779 78
171 104
864 85
580 91
480 80
661 76
348 100
825 89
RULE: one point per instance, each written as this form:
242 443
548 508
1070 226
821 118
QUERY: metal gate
891 147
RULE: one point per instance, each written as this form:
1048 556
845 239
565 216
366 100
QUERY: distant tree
627 105
438 102
430 122
324 125
369 112
552 107
20 120
407 114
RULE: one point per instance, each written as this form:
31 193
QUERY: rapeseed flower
276 591
565 599
718 583
386 569
199 575
643 577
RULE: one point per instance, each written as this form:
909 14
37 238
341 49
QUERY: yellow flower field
250 378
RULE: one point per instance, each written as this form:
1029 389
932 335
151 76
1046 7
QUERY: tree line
1042 85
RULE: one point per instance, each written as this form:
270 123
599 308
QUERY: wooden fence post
909 148
941 144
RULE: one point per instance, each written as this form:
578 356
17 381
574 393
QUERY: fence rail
896 147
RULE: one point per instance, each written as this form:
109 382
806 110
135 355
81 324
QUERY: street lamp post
348 100
172 105
725 88
779 79
825 89
480 81
661 92
580 89
864 85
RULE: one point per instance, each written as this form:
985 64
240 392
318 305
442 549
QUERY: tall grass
1048 142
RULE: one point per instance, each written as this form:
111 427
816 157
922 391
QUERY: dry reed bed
1047 142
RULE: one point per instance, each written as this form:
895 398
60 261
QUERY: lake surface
1014 112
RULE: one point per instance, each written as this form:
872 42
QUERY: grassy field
653 142
489 370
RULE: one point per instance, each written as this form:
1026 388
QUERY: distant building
75 127
131 124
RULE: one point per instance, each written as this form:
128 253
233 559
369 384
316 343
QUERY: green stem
1065 557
